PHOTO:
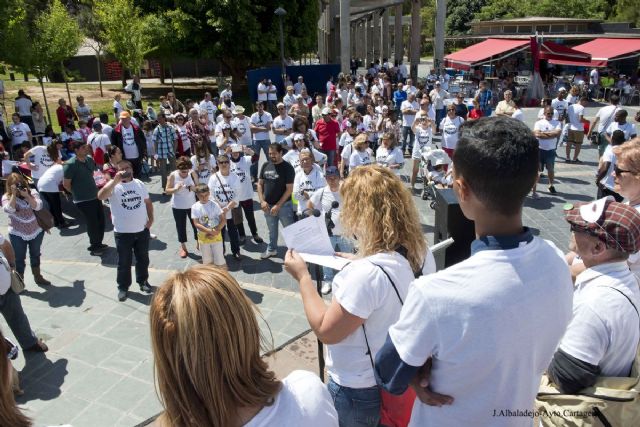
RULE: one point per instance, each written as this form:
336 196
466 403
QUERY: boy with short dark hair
209 219
484 330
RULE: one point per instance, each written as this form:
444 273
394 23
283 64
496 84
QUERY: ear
598 248
461 188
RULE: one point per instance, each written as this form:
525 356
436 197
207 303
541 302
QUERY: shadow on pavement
60 296
36 388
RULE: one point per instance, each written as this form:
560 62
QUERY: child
440 176
117 107
151 113
49 135
459 338
147 129
209 219
84 130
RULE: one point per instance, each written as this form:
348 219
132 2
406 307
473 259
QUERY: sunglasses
619 171
223 163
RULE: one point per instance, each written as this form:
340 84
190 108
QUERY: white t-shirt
51 179
629 129
408 119
118 108
23 105
219 184
272 94
491 323
207 214
183 198
19 133
322 200
606 116
574 112
559 107
450 131
243 129
262 87
106 129
309 183
604 330
129 143
346 153
242 168
545 125
518 115
184 137
280 123
634 259
210 108
363 290
128 209
98 140
387 157
608 156
261 121
302 400
360 158
345 139
293 157
204 168
41 159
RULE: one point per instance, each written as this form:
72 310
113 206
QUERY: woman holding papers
368 293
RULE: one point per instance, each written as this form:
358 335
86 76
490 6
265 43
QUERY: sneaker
326 288
578 161
242 240
153 236
552 189
38 347
268 254
257 239
237 257
535 196
145 287
122 295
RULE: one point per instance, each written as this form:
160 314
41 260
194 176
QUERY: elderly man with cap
78 180
603 335
289 98
242 125
328 131
130 139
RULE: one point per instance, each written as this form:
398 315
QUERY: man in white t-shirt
560 104
132 217
547 131
210 107
19 132
282 124
604 117
263 90
242 125
272 97
575 116
603 335
299 85
409 110
23 106
482 332
620 123
594 83
410 88
261 122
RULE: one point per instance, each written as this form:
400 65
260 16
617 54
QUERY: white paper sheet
309 237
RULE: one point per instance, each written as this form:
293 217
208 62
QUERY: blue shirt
398 97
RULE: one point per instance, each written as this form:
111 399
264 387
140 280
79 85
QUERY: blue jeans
356 407
285 216
340 244
13 313
440 114
331 157
259 144
20 248
406 130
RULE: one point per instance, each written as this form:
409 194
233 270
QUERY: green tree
125 30
504 9
57 38
627 11
15 37
94 32
459 13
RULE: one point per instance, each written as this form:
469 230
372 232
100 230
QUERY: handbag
17 283
44 218
236 213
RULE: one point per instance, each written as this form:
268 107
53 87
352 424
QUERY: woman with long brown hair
209 371
377 209
10 414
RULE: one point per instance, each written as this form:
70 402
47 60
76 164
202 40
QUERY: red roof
603 50
490 49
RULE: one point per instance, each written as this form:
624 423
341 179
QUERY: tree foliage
460 14
504 9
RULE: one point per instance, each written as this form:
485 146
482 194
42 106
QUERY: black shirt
275 179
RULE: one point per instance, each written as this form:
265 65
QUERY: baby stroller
433 165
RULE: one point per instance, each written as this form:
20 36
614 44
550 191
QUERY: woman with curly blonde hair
209 371
377 209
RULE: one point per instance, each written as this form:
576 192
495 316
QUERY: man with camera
327 200
132 216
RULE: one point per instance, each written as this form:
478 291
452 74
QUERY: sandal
183 253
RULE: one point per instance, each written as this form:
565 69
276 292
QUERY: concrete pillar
441 14
367 43
416 29
384 51
354 38
397 30
362 40
376 35
345 35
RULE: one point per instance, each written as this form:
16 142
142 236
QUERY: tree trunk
99 73
44 96
26 77
173 88
66 84
124 77
161 72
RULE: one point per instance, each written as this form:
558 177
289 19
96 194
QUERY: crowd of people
396 330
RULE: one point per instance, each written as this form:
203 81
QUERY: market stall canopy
604 50
554 51
484 52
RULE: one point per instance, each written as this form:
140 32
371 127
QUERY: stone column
397 30
376 36
441 14
416 29
367 43
345 35
384 51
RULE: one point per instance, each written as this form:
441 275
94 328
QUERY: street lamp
280 12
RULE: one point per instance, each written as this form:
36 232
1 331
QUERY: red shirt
476 113
65 115
327 132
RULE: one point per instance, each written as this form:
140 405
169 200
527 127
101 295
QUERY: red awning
483 52
550 50
603 50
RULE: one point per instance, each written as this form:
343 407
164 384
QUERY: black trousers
247 208
181 217
137 166
55 206
127 245
94 216
234 238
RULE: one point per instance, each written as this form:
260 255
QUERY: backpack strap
628 299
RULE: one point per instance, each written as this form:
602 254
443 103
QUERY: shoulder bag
44 218
236 213
611 401
17 283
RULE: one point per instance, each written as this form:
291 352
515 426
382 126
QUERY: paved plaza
98 371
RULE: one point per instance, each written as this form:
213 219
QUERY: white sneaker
268 254
326 288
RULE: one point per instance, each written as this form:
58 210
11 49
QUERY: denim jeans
13 313
259 145
340 244
406 130
331 157
164 171
128 244
285 216
20 248
356 407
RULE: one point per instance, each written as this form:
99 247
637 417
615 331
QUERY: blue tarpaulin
315 78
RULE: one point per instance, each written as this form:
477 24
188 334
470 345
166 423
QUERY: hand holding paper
309 237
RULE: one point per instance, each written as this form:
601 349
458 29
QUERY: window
495 30
525 29
485 30
543 28
509 29
557 28
572 28
582 28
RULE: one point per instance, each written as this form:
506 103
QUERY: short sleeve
144 191
415 334
68 171
608 156
361 294
586 337
316 198
291 174
194 210
264 166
